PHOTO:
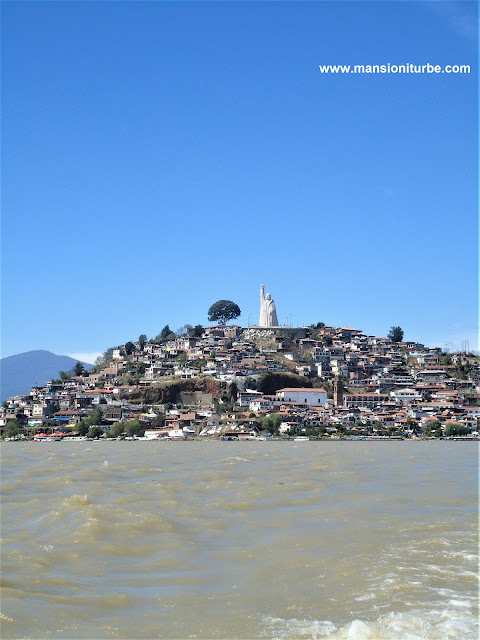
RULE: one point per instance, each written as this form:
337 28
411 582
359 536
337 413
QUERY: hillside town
229 382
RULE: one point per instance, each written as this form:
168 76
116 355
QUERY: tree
92 420
104 358
129 348
12 429
271 423
165 334
82 428
433 427
64 375
95 432
395 334
222 311
455 429
117 429
78 369
197 331
133 427
183 331
142 340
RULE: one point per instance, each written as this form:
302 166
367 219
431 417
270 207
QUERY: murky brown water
353 540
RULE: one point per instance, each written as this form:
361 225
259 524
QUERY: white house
406 396
312 397
245 397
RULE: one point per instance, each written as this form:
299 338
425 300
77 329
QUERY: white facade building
312 397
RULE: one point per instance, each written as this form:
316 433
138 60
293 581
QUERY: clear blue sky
159 156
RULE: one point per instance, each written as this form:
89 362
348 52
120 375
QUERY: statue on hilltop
268 311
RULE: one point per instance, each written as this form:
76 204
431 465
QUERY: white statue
268 312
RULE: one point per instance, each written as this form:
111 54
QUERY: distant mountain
19 373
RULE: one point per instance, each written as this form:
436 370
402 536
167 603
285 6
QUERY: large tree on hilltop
165 334
129 348
395 334
222 311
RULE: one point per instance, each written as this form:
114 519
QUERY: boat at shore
301 439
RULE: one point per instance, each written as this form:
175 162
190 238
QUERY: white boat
301 439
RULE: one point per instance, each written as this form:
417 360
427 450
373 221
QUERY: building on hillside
369 400
309 396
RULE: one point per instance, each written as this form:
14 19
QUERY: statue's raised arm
262 293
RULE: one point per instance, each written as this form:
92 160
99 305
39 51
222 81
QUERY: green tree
117 429
197 331
271 423
78 369
455 429
183 357
142 339
82 428
129 348
95 432
96 416
133 427
450 429
224 407
222 311
432 428
165 334
12 429
395 334
64 375
93 419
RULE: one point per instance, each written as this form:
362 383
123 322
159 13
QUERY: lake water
354 540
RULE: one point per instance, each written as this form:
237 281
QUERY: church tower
337 391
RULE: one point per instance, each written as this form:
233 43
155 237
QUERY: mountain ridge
22 371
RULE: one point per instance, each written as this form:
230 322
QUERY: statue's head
268 296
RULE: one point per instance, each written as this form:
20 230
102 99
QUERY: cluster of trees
456 429
434 428
77 370
271 423
12 429
93 420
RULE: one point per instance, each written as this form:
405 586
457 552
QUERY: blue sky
159 156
